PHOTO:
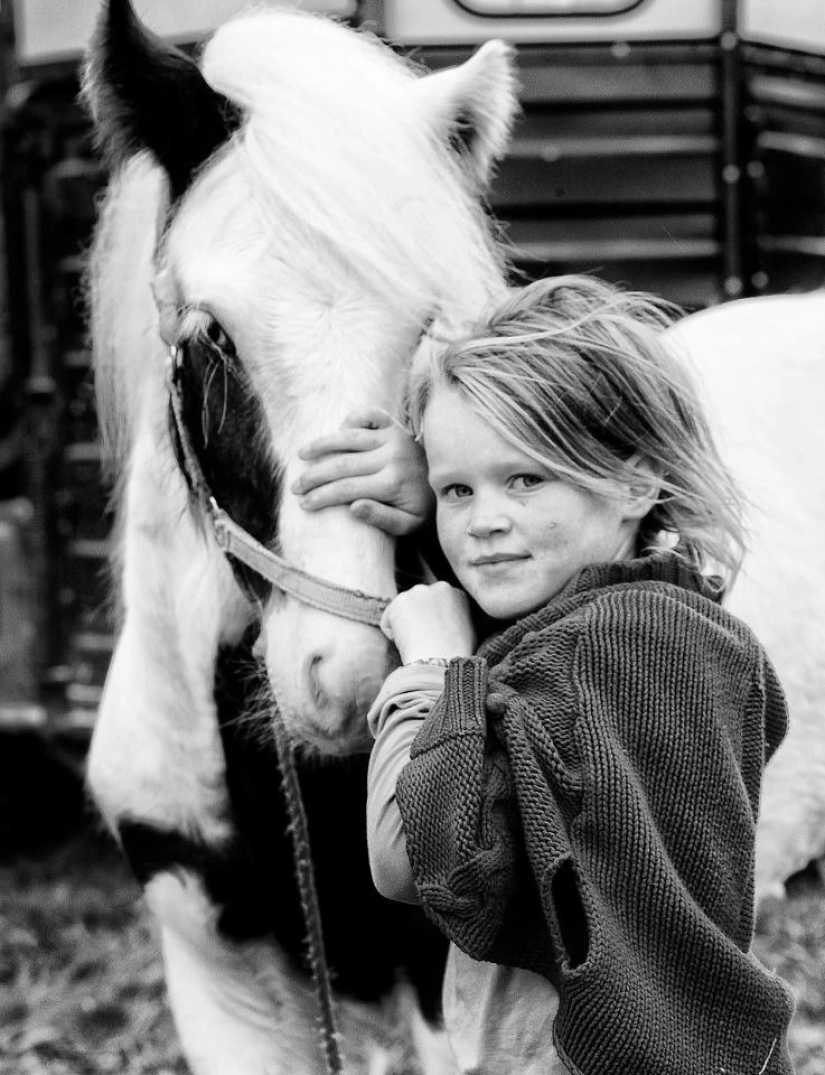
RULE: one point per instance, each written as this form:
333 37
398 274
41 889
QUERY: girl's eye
527 481
456 491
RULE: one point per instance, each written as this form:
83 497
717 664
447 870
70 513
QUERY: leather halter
241 545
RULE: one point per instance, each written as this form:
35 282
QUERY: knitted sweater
582 802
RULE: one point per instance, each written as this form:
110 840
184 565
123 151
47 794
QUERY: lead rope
307 889
312 591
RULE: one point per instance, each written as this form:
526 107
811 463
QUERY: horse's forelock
341 156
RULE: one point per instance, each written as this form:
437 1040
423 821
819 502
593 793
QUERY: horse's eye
219 338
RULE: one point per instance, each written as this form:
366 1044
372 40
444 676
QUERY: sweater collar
675 567
679 567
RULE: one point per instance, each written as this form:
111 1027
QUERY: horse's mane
123 322
343 160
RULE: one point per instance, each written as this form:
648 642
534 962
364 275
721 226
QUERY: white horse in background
291 213
762 362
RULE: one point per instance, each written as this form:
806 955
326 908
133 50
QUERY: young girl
575 804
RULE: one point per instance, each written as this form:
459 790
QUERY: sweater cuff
462 708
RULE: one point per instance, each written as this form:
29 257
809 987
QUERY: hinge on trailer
370 15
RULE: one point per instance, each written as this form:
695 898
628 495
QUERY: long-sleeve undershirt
499 1020
396 716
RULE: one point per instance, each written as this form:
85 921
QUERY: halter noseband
241 545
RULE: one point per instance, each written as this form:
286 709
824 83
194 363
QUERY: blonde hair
575 374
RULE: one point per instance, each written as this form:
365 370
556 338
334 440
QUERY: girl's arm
429 625
395 719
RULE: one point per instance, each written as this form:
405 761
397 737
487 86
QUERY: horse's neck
128 354
157 752
170 575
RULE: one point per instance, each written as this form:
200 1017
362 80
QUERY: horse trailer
673 147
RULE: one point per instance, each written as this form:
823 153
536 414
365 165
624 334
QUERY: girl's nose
487 517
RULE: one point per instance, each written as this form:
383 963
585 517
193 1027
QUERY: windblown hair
575 374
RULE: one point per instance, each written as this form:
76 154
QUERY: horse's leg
237 1008
245 1008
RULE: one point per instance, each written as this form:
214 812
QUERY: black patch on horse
370 941
227 430
147 94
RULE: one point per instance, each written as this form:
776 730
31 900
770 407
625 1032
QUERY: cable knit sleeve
464 838
678 706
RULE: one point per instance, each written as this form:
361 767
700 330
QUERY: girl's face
513 532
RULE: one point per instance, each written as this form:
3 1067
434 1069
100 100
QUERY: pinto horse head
314 205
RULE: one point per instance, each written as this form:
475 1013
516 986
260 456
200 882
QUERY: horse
761 364
294 216
289 217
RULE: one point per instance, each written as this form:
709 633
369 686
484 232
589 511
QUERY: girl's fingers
386 623
430 621
337 471
391 520
329 493
342 440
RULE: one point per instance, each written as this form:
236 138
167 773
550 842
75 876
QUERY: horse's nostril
317 693
338 691
259 648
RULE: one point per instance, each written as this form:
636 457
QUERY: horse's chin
309 740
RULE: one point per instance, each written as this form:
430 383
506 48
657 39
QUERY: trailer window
520 9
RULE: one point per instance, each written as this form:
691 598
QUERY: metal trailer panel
430 22
617 166
786 118
47 32
19 687
50 32
793 24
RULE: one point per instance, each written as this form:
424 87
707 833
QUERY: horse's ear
146 94
474 106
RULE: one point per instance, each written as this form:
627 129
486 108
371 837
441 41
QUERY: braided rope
305 874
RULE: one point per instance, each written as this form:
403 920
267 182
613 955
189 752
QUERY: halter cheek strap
240 544
306 588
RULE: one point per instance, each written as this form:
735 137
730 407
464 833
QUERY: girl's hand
430 621
374 466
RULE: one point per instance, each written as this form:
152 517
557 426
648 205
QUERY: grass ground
81 982
791 940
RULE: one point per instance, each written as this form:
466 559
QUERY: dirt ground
81 981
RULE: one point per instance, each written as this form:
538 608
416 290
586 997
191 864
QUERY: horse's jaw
325 670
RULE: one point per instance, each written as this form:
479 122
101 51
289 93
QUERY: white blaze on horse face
335 667
312 359
332 227
340 663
